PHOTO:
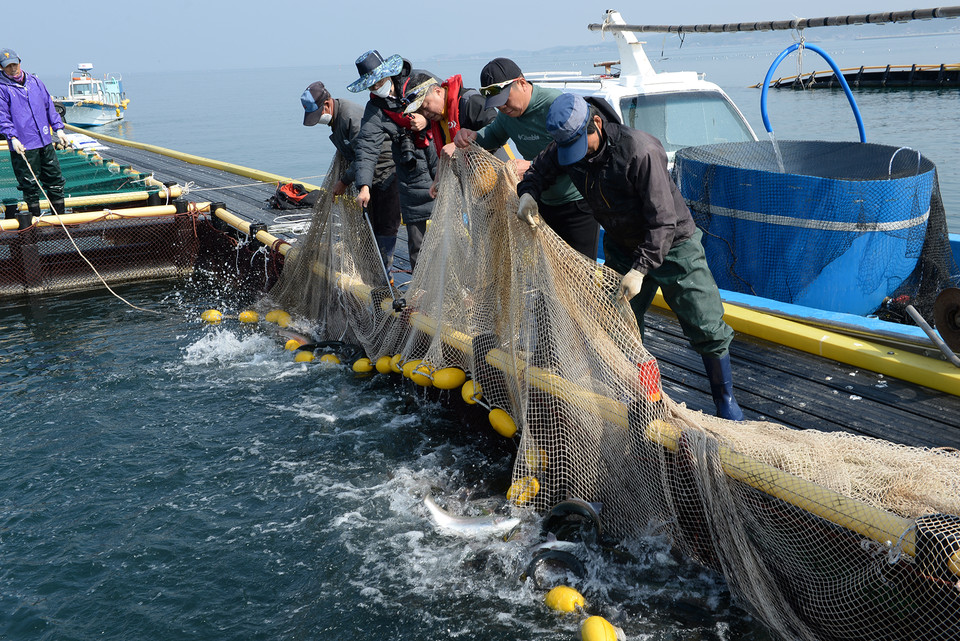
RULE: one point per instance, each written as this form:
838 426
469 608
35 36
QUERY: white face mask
325 119
384 90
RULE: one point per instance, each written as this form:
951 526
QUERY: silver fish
476 527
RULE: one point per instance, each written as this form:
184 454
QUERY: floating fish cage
123 229
838 226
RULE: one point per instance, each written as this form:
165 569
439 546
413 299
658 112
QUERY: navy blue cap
567 123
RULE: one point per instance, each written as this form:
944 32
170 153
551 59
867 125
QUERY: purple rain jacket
27 112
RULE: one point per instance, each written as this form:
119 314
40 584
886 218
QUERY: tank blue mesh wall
833 225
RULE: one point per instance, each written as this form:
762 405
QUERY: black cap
496 71
312 100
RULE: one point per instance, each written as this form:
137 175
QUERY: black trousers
577 227
47 168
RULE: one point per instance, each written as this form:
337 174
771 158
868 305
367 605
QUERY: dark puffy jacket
344 131
629 190
416 166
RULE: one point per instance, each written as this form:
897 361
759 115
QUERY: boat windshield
83 89
686 119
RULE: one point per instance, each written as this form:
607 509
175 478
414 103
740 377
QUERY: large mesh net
821 535
839 226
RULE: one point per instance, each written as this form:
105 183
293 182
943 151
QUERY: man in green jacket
523 111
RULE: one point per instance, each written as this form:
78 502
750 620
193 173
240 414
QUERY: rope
77 247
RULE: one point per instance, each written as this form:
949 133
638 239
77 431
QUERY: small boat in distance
92 101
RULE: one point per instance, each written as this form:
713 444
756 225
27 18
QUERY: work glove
18 147
630 285
527 210
62 137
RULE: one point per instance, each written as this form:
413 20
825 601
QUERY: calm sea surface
162 479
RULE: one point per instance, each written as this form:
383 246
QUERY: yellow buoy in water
329 358
303 356
362 365
597 629
523 490
470 392
409 366
449 378
248 316
421 375
395 363
283 319
271 316
383 365
292 344
212 316
502 423
564 599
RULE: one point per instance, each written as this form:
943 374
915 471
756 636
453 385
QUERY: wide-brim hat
373 68
567 122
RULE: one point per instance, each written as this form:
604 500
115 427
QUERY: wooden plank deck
772 382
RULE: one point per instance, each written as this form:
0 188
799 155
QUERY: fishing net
821 535
840 226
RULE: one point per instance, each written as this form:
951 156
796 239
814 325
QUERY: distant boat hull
86 114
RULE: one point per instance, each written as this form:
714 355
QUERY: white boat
92 101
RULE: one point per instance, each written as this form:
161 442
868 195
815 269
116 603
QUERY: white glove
528 210
630 285
17 146
63 138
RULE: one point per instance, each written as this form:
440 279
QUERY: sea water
161 478
165 479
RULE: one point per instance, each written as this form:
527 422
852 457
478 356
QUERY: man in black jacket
344 118
650 235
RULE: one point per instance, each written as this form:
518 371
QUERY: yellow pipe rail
173 192
914 368
240 224
196 160
873 523
53 220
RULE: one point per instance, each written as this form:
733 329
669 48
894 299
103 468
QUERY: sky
52 36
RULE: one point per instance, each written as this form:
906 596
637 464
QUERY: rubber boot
386 245
721 386
57 207
34 209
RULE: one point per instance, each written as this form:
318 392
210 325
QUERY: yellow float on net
422 375
523 490
470 392
484 180
248 316
564 599
409 366
362 365
383 365
292 344
212 316
271 316
303 356
535 458
330 358
449 378
502 423
283 319
597 629
395 363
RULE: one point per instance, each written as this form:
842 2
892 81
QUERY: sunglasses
494 89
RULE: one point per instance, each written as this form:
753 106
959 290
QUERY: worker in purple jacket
28 120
